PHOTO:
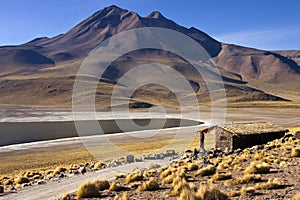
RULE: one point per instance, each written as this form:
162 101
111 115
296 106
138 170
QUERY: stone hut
242 135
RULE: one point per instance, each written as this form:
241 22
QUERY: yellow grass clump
165 173
221 176
123 197
192 167
154 166
99 165
188 194
296 197
114 187
206 171
66 196
101 185
247 178
295 152
58 170
270 185
118 176
245 191
134 176
211 193
21 180
150 185
178 186
257 168
87 190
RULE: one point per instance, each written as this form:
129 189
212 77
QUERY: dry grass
99 165
123 197
257 168
118 176
21 180
247 178
178 186
165 173
206 171
47 160
134 176
295 152
114 187
192 166
270 185
87 190
246 191
150 185
154 166
210 193
101 185
221 176
66 196
296 197
58 170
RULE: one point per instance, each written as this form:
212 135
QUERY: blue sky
263 24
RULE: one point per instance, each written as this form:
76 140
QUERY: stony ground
268 171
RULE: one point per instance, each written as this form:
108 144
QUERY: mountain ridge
59 57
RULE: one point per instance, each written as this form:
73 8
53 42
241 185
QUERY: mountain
42 71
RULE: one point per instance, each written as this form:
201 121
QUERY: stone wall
223 139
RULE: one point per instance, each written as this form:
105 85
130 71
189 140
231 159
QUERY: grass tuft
87 190
123 197
134 176
114 187
295 152
247 178
66 196
257 168
206 171
270 185
296 197
247 191
150 185
101 185
221 176
21 180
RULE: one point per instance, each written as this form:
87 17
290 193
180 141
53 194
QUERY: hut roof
250 128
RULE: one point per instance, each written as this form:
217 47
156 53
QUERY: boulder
170 152
130 158
297 135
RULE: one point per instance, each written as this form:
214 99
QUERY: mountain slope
42 71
